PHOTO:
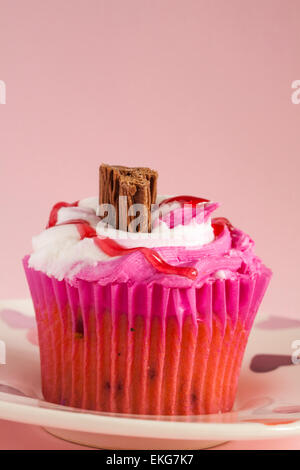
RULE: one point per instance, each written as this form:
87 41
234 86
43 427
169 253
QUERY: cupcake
144 303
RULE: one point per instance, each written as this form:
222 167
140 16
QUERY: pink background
198 89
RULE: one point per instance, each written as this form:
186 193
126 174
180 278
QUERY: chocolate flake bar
122 187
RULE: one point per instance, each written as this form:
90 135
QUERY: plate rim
129 426
33 411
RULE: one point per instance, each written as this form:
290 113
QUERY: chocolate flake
123 187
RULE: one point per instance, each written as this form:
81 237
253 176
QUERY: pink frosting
228 256
231 252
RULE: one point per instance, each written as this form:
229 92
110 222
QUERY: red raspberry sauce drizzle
184 200
54 211
218 224
83 227
112 248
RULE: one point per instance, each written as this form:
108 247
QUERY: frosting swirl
226 253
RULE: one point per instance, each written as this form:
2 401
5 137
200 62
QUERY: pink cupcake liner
143 349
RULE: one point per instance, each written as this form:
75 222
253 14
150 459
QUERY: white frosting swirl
59 251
